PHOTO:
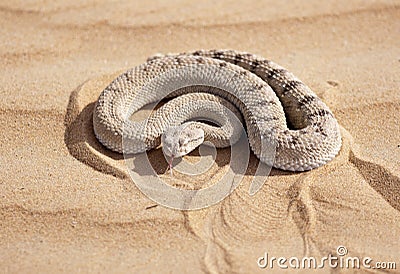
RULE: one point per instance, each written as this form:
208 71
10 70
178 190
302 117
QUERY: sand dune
68 205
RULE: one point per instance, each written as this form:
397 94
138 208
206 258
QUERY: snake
212 95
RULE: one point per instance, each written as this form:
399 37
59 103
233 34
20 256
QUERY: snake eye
183 142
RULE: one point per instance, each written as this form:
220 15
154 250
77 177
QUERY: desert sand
69 205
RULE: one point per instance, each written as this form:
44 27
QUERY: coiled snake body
277 108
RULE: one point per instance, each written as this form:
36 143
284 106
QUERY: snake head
179 141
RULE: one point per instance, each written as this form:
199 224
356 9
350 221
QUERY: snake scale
277 108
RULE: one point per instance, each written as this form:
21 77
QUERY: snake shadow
82 143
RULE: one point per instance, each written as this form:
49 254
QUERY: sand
68 205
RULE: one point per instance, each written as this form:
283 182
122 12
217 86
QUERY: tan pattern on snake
277 109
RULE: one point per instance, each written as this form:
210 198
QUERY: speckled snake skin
277 108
